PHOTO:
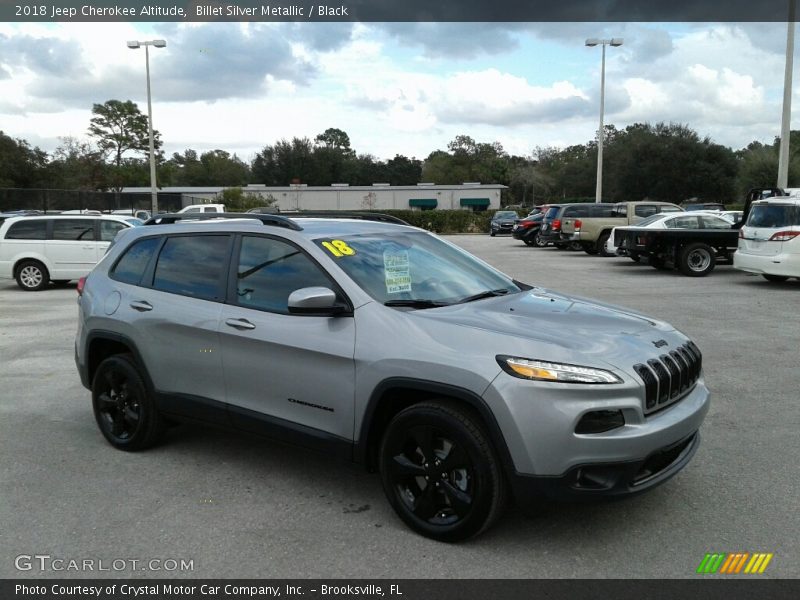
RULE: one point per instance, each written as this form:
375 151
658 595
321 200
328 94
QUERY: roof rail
266 219
344 214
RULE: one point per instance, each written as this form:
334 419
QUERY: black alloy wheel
123 408
439 472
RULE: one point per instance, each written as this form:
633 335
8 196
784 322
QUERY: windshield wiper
482 295
416 303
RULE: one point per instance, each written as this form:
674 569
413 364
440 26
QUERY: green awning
475 202
423 202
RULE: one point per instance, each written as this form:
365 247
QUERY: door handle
141 305
239 324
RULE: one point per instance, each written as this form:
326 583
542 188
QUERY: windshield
551 212
505 214
651 219
773 215
407 267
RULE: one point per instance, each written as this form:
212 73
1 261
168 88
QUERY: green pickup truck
592 232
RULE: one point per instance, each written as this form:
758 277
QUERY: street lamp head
163 43
133 45
592 42
616 41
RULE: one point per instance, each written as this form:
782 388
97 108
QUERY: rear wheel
697 260
634 256
440 473
590 249
538 241
575 246
529 242
32 276
601 244
775 278
123 408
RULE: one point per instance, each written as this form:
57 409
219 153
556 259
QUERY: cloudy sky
405 88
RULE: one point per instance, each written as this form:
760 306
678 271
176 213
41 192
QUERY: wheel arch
30 256
102 344
397 393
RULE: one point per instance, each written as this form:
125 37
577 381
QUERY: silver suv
392 347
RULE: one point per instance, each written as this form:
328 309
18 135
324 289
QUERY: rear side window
576 211
551 212
109 229
27 230
73 230
644 210
132 265
669 209
193 265
601 210
621 210
772 215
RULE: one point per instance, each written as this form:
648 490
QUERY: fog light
598 421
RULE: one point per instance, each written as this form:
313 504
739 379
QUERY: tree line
668 162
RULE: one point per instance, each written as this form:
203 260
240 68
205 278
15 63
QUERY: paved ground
243 507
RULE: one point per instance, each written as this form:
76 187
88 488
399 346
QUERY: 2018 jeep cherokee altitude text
389 346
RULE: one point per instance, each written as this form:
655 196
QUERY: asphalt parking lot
244 507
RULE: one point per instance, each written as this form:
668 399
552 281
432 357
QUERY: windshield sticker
338 248
396 269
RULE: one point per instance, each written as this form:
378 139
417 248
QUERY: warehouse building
378 196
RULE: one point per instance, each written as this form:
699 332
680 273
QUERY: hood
576 326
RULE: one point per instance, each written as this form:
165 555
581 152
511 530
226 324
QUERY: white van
35 250
769 242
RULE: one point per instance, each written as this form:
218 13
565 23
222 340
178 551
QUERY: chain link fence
61 200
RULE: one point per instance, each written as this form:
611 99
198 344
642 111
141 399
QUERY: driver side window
268 270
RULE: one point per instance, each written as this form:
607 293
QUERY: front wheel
697 260
601 244
775 278
123 408
538 241
440 473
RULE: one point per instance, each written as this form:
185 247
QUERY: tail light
784 236
741 234
526 224
81 283
556 224
578 224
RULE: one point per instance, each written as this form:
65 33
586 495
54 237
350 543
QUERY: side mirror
317 301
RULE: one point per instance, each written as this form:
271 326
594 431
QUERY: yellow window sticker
338 248
397 271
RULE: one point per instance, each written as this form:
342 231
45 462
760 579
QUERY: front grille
670 376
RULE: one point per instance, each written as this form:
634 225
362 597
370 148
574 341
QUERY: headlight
541 370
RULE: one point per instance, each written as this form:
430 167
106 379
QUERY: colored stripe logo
735 563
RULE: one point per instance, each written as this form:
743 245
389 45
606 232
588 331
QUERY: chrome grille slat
670 376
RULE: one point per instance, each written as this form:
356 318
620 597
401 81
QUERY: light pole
598 196
134 45
786 114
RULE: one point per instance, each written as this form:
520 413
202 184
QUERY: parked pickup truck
694 252
592 232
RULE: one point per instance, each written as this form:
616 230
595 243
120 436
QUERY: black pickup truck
694 252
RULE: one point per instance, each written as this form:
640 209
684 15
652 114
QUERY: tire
469 493
492 233
697 260
538 241
560 246
775 278
601 244
590 249
634 256
574 246
32 276
529 242
123 407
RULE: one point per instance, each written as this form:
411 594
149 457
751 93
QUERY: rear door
72 248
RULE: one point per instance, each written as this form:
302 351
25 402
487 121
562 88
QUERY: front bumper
594 480
787 265
539 422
